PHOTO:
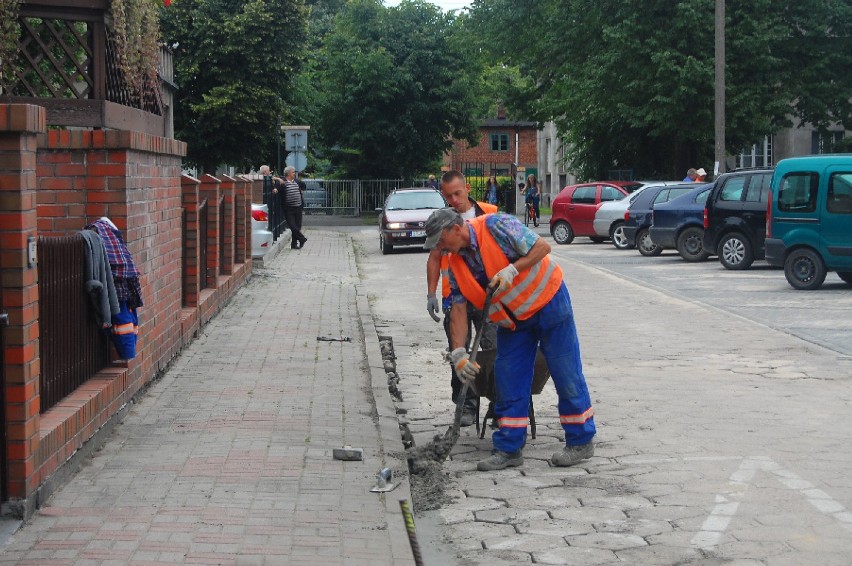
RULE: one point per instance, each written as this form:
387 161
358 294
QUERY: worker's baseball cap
439 221
701 172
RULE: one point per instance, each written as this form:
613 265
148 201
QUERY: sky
445 5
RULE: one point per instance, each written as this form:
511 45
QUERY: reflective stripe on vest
445 264
532 288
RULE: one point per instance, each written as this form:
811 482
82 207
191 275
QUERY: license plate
418 233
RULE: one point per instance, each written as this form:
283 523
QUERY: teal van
809 219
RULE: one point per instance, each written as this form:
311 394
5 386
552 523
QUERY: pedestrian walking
433 183
491 190
531 308
456 192
291 195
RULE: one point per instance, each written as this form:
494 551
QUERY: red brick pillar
191 252
19 125
241 188
209 189
229 189
248 201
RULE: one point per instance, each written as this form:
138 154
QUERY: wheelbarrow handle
489 294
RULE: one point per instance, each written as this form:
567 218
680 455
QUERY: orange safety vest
531 290
445 264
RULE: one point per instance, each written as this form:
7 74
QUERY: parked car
809 223
574 210
261 238
609 218
637 219
629 186
735 217
679 223
402 221
316 197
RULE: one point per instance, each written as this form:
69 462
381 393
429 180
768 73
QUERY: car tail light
769 217
260 215
626 215
264 245
706 219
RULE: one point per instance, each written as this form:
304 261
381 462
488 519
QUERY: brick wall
462 152
134 179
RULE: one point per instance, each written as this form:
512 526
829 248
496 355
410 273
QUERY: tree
232 64
630 82
394 89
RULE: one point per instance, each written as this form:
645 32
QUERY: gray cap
439 221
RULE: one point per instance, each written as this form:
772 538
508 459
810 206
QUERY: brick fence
54 183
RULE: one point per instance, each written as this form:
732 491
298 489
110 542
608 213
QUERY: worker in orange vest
531 308
457 194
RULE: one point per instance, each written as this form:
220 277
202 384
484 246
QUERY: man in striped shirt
292 201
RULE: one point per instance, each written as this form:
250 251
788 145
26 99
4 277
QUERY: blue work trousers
553 328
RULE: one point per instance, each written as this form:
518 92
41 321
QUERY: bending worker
457 194
531 308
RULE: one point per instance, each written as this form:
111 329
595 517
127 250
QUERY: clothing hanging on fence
125 324
98 280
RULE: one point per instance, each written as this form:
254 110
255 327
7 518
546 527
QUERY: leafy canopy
233 59
630 82
391 87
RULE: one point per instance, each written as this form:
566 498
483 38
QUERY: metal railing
72 347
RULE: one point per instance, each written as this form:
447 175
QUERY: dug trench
427 476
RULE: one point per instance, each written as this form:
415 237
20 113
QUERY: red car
575 206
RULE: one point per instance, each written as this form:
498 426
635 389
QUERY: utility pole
720 89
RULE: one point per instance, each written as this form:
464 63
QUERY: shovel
440 447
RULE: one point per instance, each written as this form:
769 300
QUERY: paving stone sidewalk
228 458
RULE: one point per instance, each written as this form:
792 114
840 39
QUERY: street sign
296 140
297 160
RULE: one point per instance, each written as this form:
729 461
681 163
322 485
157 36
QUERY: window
662 196
758 188
610 193
701 198
823 142
798 192
840 193
499 142
758 155
733 189
674 193
584 195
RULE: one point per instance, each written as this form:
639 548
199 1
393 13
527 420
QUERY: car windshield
415 200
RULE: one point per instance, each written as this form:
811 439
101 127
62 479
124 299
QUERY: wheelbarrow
486 387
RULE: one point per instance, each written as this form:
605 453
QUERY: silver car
609 218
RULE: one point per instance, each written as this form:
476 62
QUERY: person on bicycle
532 196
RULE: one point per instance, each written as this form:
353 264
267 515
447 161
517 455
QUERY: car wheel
735 252
689 244
597 239
846 276
384 246
804 269
619 240
646 245
563 233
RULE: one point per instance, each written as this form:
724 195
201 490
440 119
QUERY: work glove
503 279
433 307
466 370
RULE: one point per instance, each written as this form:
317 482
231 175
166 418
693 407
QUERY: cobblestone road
721 440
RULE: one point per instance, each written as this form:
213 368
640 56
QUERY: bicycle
530 215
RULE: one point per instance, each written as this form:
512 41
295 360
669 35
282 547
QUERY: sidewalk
228 458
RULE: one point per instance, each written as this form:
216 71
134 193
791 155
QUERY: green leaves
630 82
394 88
233 63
